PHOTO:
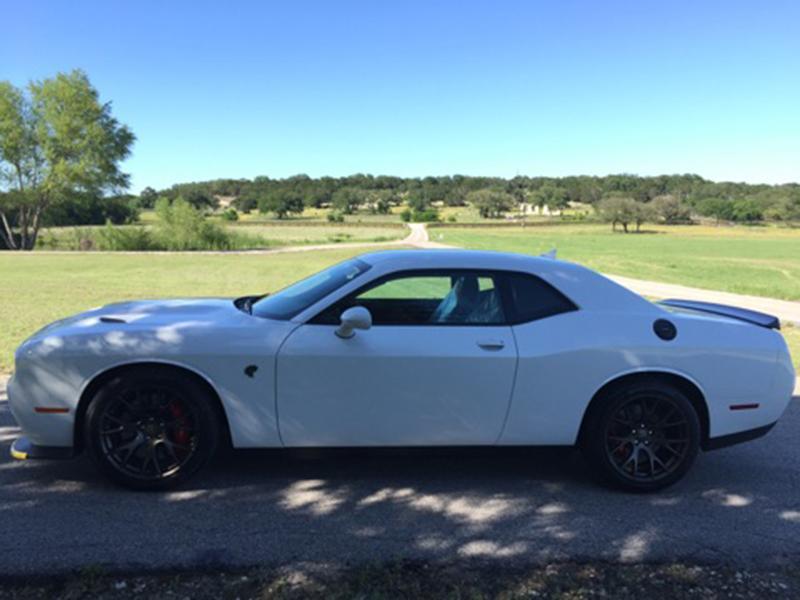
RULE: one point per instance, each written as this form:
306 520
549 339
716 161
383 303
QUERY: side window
534 299
457 298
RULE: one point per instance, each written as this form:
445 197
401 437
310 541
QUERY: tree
90 209
491 203
719 208
417 201
55 141
747 210
347 200
786 208
148 197
281 202
617 208
380 202
554 198
671 209
644 212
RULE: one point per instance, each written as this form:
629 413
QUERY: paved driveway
740 504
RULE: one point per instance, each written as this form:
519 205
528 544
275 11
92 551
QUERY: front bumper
22 449
32 388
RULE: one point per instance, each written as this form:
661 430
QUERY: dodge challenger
404 348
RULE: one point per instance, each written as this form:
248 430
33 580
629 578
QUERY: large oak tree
56 140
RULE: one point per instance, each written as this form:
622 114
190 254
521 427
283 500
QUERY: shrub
429 215
335 217
180 226
112 237
337 238
426 216
230 215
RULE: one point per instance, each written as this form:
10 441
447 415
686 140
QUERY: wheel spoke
663 420
146 462
133 445
119 421
136 430
648 437
131 451
171 449
621 446
159 472
675 452
119 429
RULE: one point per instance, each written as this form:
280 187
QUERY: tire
642 437
151 428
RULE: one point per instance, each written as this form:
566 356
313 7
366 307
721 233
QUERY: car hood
146 314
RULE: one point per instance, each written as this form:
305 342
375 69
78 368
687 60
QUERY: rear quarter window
532 298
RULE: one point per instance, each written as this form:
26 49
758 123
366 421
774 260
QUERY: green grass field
762 261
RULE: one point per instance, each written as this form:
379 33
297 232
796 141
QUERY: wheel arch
686 386
98 380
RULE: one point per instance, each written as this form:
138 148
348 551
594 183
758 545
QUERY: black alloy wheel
644 437
150 429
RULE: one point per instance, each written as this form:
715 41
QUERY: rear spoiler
742 314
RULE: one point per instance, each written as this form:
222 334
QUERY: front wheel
151 428
643 437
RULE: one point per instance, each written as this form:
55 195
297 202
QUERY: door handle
492 344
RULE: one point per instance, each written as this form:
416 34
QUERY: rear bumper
22 449
724 441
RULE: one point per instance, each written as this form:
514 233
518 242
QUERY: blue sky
239 89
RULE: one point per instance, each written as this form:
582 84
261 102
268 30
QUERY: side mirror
354 318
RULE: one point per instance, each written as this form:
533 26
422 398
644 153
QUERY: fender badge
250 370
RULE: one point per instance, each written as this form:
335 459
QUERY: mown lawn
762 261
40 288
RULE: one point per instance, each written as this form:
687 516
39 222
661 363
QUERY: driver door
437 366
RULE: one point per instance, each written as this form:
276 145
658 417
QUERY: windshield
296 298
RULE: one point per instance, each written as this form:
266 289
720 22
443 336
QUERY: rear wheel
643 437
151 428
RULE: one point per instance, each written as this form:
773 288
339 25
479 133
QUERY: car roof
457 258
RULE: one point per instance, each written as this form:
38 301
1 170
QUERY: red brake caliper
622 451
179 434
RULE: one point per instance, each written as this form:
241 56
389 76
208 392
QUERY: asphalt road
739 505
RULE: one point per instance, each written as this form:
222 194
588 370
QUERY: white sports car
404 348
